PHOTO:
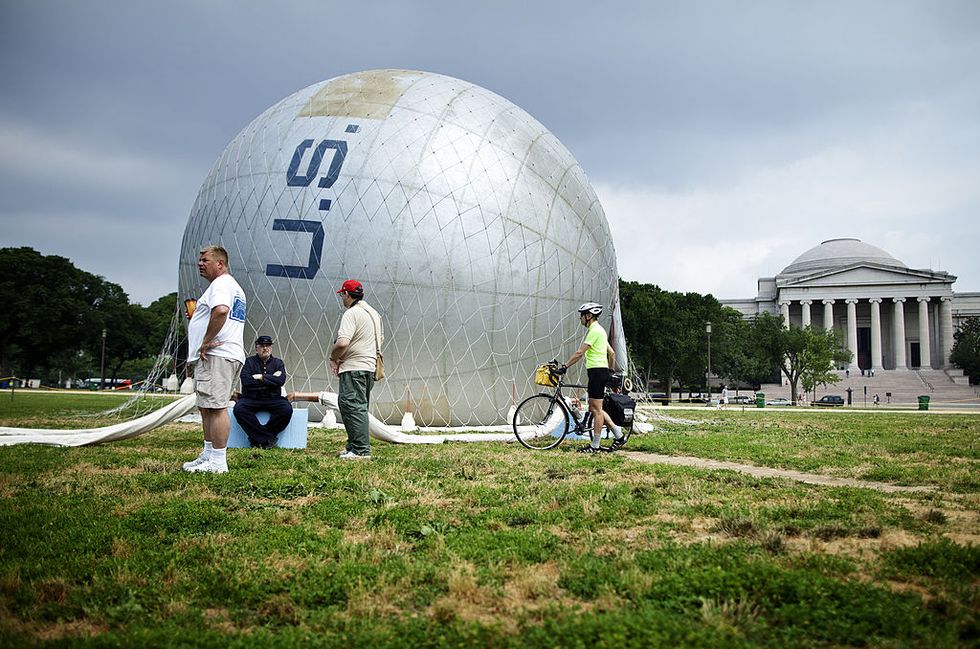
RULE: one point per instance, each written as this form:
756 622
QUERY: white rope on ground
649 413
181 407
87 436
386 433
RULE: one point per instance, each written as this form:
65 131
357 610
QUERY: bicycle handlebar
553 365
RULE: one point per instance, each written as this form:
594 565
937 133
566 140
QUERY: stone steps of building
905 386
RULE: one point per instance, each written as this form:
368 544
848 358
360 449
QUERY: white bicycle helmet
591 307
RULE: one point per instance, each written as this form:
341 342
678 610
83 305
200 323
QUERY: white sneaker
200 459
210 466
351 455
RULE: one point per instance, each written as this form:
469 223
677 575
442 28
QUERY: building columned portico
893 317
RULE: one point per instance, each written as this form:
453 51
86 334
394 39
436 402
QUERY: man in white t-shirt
215 344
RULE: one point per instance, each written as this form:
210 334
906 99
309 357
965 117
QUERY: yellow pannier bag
543 376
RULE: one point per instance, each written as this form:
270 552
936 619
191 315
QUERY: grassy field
30 409
494 545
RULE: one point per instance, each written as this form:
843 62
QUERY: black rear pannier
620 408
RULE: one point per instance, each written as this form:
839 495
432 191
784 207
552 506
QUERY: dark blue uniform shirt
270 386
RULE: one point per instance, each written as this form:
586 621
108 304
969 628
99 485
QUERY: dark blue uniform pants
263 435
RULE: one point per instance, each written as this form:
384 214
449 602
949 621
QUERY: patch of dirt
59 630
379 599
852 546
637 537
7 486
285 566
71 629
528 593
292 503
51 590
961 525
766 472
87 468
466 599
211 541
219 620
121 548
532 588
382 541
433 501
962 520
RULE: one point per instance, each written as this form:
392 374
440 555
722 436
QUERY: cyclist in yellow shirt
599 357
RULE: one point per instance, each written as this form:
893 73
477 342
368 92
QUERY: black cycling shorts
598 379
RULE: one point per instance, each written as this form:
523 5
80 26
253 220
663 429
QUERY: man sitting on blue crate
263 376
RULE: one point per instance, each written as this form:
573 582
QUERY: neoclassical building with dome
893 317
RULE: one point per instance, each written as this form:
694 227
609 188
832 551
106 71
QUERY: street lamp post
707 377
102 371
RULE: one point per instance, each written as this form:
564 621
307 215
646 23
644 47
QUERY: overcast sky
724 138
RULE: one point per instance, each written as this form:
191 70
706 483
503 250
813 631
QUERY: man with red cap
353 359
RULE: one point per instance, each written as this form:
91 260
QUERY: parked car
779 401
741 398
829 400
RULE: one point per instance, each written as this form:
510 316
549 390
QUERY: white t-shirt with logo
223 291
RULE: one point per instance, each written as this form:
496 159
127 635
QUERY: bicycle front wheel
541 422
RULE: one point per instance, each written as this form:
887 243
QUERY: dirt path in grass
766 472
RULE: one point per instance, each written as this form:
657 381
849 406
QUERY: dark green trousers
353 399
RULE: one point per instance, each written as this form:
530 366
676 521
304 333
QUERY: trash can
924 402
760 400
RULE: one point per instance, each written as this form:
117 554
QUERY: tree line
54 314
669 343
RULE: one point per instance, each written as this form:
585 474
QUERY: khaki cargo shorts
215 378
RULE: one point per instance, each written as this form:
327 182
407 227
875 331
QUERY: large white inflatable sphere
473 230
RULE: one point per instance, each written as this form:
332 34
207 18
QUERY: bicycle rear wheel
541 422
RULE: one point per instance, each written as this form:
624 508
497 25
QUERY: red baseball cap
350 286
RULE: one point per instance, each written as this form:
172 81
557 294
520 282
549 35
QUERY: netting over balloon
474 231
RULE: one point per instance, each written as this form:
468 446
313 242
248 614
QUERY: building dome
838 253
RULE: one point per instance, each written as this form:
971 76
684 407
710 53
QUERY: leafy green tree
671 340
639 309
657 324
54 314
69 364
137 369
822 353
668 340
806 356
48 309
126 327
693 312
160 315
966 348
737 361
